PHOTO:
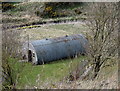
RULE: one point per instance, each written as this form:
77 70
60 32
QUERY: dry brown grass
110 83
52 30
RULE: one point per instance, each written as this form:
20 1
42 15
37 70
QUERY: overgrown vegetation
11 73
53 72
7 6
11 45
15 76
26 13
101 32
60 9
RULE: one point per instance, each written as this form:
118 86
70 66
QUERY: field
54 74
50 75
54 30
32 75
55 71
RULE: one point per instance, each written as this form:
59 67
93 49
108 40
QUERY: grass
110 69
23 7
30 75
74 28
8 20
51 31
25 12
55 71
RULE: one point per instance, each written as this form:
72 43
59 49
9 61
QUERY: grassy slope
48 74
24 13
55 71
48 31
51 31
35 75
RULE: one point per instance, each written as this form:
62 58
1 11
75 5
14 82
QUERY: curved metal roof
60 47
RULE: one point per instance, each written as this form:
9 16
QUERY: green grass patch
32 75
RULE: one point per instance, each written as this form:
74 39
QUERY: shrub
37 13
77 11
7 6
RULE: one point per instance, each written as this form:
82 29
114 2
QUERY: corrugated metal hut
46 50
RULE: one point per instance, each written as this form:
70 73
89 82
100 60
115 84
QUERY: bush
58 9
37 13
7 6
11 51
77 11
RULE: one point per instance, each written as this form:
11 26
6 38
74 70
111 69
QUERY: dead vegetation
102 24
103 34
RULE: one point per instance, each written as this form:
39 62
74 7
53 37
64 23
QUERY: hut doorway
29 56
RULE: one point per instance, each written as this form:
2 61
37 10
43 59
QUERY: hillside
33 13
28 21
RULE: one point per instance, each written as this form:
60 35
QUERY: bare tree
102 22
11 42
11 45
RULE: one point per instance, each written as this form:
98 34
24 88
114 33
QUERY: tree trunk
96 69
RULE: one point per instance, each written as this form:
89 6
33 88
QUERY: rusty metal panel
57 48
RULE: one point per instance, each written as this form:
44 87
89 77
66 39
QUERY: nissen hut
47 50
